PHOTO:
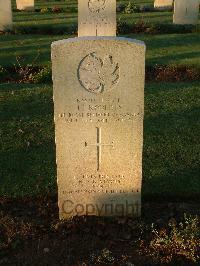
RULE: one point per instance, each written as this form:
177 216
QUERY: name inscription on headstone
91 111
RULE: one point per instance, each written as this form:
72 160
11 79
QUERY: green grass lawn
179 49
171 141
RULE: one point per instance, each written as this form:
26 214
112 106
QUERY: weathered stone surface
99 105
97 18
163 4
27 5
186 11
5 15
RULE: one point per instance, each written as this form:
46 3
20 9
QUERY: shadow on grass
37 18
171 157
168 59
156 15
28 171
29 48
26 104
182 185
173 40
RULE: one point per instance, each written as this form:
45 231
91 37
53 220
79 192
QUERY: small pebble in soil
172 222
46 250
129 264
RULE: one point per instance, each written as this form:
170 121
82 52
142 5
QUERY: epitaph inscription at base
99 102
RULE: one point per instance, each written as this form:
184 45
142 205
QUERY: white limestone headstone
96 18
163 4
5 15
98 112
26 5
186 11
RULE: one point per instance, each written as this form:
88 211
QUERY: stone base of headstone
25 5
5 15
98 113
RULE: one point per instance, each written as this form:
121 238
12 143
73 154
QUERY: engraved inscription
89 191
96 6
92 110
98 75
99 145
99 180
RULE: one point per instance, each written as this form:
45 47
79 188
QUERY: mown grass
171 141
27 140
178 49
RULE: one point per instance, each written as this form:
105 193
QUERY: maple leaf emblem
96 5
97 75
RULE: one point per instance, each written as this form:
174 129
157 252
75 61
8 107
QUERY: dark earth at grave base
31 234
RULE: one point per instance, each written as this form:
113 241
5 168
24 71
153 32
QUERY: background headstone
163 4
97 18
5 15
99 106
186 11
27 5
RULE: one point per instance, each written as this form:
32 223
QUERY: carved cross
99 146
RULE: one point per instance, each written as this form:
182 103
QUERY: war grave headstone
98 113
186 12
163 4
97 18
26 5
5 15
